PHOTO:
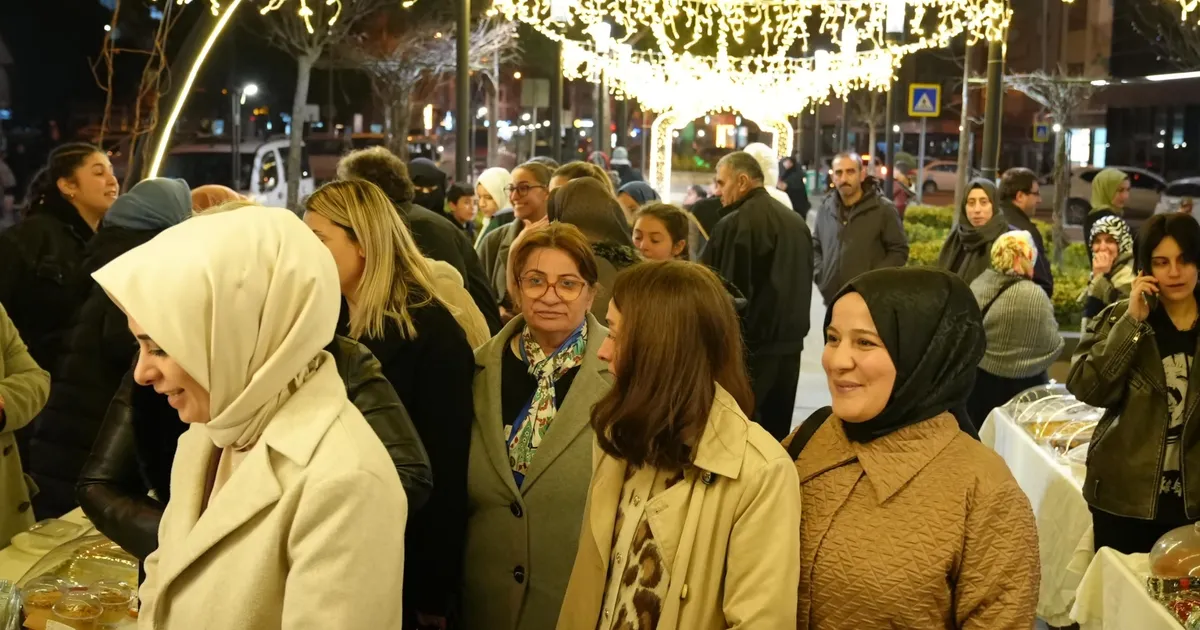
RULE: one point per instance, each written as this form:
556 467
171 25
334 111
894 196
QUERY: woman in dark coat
390 305
97 352
968 251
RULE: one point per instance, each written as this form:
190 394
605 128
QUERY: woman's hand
1102 263
1139 309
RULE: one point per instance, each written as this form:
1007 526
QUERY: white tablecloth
1112 596
15 562
1063 521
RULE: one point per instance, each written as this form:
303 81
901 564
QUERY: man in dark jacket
624 168
766 251
435 235
1019 197
98 349
858 230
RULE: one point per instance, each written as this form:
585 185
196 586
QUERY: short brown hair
579 170
540 172
382 168
1016 180
666 381
561 236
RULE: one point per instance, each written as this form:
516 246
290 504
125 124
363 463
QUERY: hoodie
425 174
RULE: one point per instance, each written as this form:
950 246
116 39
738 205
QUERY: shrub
1068 285
941 217
919 233
924 254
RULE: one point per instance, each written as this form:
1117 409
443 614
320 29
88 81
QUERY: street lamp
239 97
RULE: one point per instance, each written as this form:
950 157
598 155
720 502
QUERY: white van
263 176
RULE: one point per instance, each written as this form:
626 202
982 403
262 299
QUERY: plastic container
85 561
1176 555
46 535
38 597
116 597
77 611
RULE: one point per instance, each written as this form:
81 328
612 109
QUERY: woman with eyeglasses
529 193
531 444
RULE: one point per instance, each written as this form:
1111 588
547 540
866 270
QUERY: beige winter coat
728 532
24 387
448 284
922 528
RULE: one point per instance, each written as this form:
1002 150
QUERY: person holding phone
1143 477
1112 267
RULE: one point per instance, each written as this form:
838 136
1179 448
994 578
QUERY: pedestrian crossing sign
1041 132
924 100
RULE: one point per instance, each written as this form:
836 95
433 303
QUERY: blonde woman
390 304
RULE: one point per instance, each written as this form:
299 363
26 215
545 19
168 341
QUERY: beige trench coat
521 542
922 528
448 284
308 532
25 387
728 532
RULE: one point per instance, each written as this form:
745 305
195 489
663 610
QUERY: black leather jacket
136 445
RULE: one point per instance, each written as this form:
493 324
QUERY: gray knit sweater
1022 335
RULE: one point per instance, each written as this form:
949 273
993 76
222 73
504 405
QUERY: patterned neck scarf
526 434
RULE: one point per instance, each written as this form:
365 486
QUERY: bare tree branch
407 58
1177 40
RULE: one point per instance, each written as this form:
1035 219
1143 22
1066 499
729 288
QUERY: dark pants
1131 535
992 391
774 378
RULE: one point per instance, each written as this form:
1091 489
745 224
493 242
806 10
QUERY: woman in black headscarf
892 487
968 250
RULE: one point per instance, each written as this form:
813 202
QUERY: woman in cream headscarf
493 200
284 505
768 160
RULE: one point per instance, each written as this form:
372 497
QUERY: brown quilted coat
923 528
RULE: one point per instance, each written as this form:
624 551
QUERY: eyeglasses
521 189
536 286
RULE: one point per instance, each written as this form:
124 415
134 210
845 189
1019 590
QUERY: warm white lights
303 10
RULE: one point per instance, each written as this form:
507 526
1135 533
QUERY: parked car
1176 192
263 175
326 149
942 175
1145 189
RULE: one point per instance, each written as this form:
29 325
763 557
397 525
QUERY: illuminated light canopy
665 129
678 25
303 9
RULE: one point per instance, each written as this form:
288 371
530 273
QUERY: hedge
928 226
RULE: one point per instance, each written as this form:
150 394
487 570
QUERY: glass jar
78 611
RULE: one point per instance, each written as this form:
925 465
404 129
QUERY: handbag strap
807 429
992 301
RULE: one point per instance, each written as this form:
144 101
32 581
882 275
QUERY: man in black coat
766 251
1019 197
435 235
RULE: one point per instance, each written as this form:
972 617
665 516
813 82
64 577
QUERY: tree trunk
304 66
493 137
964 133
399 115
1060 193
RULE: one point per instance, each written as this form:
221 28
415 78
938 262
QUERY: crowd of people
552 399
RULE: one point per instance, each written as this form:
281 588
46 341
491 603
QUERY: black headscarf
968 250
425 174
930 324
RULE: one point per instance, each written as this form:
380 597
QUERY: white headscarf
495 180
769 163
244 301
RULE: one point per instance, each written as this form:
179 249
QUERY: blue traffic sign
924 100
1041 132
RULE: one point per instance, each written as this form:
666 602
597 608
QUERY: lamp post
239 97
462 89
895 31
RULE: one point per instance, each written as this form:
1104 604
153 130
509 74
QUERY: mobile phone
1151 300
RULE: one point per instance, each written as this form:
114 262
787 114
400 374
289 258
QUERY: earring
70 195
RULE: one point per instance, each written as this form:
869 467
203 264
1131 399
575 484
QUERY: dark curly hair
382 168
62 163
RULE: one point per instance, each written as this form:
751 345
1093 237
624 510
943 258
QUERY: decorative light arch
662 135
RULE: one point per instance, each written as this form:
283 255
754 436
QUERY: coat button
519 574
24 507
515 508
707 479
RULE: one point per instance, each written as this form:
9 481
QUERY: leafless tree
1060 95
307 40
406 58
868 111
154 81
1177 40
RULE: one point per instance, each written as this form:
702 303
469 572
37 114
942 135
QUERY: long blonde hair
396 277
